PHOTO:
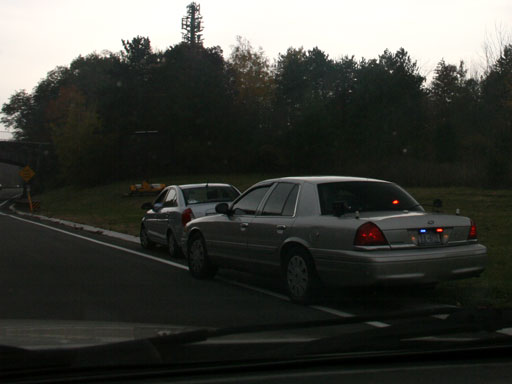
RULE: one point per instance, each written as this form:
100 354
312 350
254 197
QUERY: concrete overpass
23 153
38 156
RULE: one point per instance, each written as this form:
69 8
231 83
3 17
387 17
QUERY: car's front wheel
199 264
300 276
145 242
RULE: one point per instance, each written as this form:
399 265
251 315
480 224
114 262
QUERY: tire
172 246
199 265
145 242
300 278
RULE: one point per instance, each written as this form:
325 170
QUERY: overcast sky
38 35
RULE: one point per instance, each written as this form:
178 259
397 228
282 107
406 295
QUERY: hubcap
297 276
197 255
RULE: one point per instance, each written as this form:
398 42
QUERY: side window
159 201
291 202
171 200
278 199
248 204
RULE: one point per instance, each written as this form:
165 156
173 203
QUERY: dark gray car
335 230
175 206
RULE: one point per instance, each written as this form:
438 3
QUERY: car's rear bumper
397 267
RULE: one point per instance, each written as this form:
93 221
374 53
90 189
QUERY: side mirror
146 206
158 206
222 208
339 208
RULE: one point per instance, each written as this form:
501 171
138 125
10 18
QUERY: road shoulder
83 227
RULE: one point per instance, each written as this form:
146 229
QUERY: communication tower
192 24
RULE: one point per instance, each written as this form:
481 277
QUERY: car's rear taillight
369 234
186 216
472 231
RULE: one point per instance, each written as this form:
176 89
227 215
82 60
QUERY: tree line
141 112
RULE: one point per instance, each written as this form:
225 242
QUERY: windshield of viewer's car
365 196
184 165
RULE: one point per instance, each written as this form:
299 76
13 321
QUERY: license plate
429 238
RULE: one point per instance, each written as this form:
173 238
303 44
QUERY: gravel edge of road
84 227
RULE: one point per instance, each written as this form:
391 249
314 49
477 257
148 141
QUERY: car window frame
270 187
175 199
299 189
267 197
162 195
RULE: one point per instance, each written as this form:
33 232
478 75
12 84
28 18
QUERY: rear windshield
201 195
365 196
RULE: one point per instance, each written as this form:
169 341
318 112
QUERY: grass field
492 212
106 207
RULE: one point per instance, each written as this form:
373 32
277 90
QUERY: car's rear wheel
199 264
172 246
145 242
300 276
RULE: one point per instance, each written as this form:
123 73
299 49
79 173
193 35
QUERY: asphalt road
6 193
48 271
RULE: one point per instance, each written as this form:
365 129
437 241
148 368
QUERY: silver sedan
175 206
334 230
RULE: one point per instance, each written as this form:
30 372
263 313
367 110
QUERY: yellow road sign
27 173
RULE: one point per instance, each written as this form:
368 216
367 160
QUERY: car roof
203 185
320 179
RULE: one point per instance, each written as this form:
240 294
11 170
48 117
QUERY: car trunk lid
420 229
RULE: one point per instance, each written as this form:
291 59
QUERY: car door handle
280 227
244 226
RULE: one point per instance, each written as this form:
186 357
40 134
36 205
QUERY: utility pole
192 24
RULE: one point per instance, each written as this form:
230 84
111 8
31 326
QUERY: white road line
331 311
320 308
336 312
5 202
505 331
378 324
252 288
9 199
177 265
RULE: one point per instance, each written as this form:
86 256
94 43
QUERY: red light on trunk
439 230
395 202
369 234
186 216
472 231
